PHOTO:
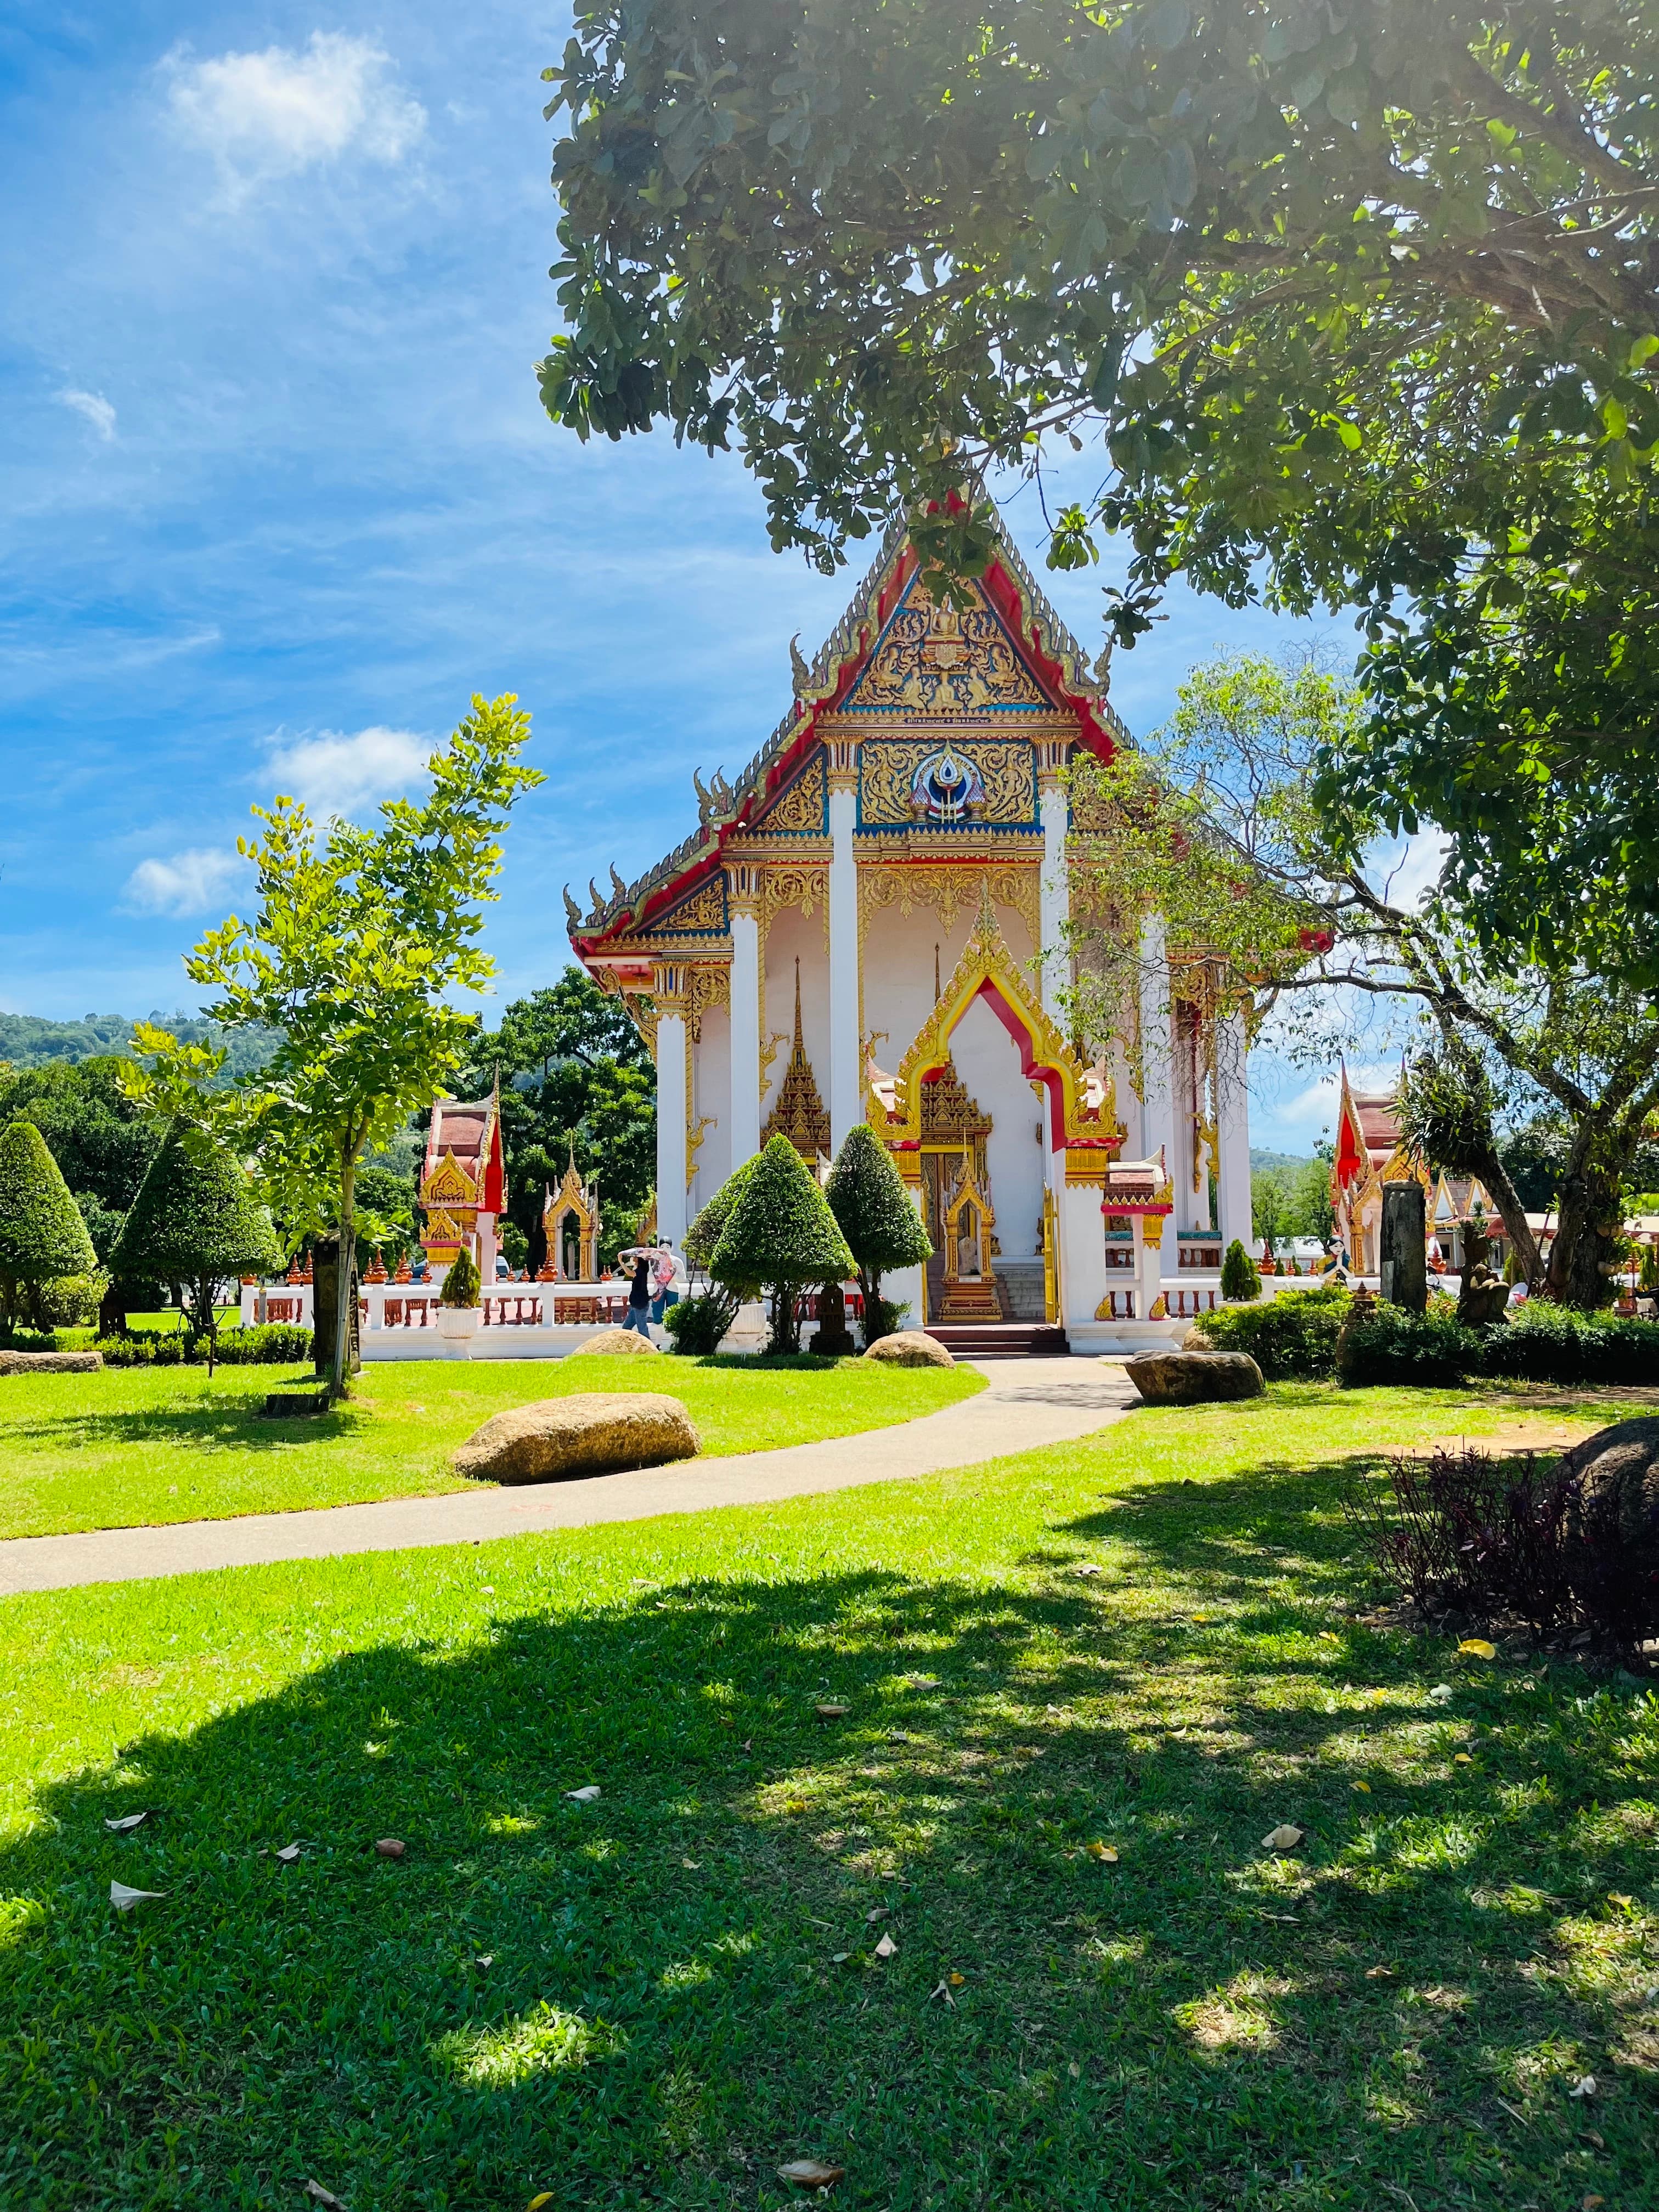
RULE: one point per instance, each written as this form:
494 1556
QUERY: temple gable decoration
461 1189
799 1114
570 1219
933 660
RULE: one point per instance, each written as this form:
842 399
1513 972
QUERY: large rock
1189 1378
50 1363
590 1432
625 1341
910 1347
1618 1501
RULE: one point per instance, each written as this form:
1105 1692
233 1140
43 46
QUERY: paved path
1028 1402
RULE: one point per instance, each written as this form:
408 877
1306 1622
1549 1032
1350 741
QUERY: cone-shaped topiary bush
705 1232
873 1211
780 1234
463 1284
1240 1279
196 1220
42 1236
697 1324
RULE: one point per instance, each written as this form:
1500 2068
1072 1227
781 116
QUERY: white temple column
746 1036
1158 1126
1232 1111
668 990
845 1045
1053 895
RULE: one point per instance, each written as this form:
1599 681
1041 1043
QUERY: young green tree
873 1211
42 1236
1240 1279
197 1220
361 939
1283 903
780 1234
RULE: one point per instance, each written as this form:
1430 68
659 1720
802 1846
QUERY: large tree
198 1220
575 1076
1359 297
1270 900
361 941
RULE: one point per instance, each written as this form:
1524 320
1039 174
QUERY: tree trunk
1529 1264
786 1330
330 1310
1586 1234
346 1359
207 1319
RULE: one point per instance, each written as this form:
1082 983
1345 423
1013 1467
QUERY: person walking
639 1300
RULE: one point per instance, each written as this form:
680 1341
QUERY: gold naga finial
798 667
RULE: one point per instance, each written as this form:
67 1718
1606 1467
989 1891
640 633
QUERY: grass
144 1446
659 1997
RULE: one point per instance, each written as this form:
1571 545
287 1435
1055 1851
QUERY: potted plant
459 1311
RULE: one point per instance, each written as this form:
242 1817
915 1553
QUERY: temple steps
966 1339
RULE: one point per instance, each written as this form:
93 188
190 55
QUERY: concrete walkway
1028 1403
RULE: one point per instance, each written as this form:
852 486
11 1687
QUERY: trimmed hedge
874 1213
1555 1343
1292 1336
196 1219
42 1235
1393 1345
782 1234
270 1344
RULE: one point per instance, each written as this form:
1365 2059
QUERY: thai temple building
462 1190
867 924
1368 1152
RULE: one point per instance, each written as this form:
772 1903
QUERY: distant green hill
1260 1159
29 1040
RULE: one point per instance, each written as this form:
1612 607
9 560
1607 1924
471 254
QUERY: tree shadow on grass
207 1424
659 1994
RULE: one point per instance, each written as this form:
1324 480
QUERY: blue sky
279 495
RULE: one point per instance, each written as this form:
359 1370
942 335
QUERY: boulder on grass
590 1432
1618 1500
1191 1378
625 1340
910 1347
50 1363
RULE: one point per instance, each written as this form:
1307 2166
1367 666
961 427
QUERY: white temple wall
898 968
712 1095
793 932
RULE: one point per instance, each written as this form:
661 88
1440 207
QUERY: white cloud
335 773
271 114
187 883
1416 868
93 405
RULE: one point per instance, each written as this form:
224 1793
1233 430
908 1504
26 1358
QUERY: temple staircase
1010 1338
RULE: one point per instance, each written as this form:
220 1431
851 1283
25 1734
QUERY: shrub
42 1236
697 1325
1544 1343
70 1301
874 1213
1240 1277
782 1234
463 1286
269 1344
196 1220
705 1232
1527 1538
1292 1337
1390 1344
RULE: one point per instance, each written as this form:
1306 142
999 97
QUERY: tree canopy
1357 299
873 1211
101 1141
42 1236
197 1220
780 1233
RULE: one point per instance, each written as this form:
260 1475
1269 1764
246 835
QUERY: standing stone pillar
1232 1111
743 901
1403 1246
846 1045
669 983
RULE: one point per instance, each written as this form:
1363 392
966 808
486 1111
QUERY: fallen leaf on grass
127 1822
943 1990
486 1959
1461 1758
897 1735
1104 1852
886 1947
839 1958
324 2196
955 1979
811 2172
287 1853
1365 1786
1285 1837
1075 2072
877 1912
921 1681
1592 2205
1617 1896
832 1712
1087 1567
1477 1648
1379 1973
1583 2086
586 1795
1441 1695
1590 2136
692 1866
390 1847
123 1898
538 2201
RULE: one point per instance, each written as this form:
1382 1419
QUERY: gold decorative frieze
971 781
949 889
935 660
702 914
708 986
800 809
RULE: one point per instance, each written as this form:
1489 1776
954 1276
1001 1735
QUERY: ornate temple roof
1060 680
463 1161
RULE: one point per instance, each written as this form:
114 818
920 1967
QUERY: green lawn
656 1998
139 1445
